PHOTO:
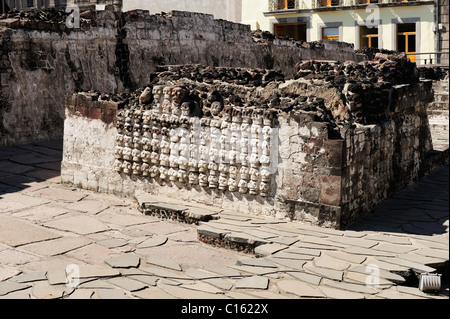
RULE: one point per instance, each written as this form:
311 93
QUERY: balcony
285 6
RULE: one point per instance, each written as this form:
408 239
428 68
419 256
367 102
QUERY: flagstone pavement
60 242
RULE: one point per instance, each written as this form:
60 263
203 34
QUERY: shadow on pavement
22 166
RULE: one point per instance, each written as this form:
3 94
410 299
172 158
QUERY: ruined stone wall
331 161
42 62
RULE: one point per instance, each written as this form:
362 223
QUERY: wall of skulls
234 149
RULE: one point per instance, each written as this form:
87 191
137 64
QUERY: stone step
172 210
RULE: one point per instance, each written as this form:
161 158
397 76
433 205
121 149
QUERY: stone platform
51 235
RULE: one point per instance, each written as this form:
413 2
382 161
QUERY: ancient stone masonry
43 61
315 148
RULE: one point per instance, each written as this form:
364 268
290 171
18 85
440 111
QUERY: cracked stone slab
299 289
223 270
325 272
211 231
43 290
334 293
124 261
29 233
92 207
82 225
303 276
350 287
290 263
153 242
95 271
269 249
395 249
284 255
367 252
325 261
409 264
57 276
303 251
60 194
383 274
349 241
30 277
256 263
57 246
163 262
8 272
113 243
390 239
183 293
365 278
203 287
354 259
243 238
128 284
7 287
435 253
111 294
254 282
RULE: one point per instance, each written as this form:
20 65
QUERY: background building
403 25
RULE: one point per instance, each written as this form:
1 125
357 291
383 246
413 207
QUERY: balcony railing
280 5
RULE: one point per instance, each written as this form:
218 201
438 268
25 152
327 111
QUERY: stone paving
61 242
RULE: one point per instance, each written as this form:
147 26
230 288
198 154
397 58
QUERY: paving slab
8 272
349 286
284 255
223 270
152 293
183 293
429 252
367 252
308 278
290 263
13 257
81 294
113 243
269 249
406 263
300 289
111 294
354 259
256 263
7 287
383 274
124 261
43 290
30 277
122 218
92 207
127 284
203 287
334 293
57 276
40 213
354 241
153 242
254 282
59 194
163 262
82 225
325 261
325 272
394 248
57 246
303 251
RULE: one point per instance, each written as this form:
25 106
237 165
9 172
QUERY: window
296 31
368 1
331 34
329 3
406 39
30 3
369 37
286 4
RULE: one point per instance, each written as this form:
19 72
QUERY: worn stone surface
204 271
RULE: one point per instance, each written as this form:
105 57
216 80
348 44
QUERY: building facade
409 26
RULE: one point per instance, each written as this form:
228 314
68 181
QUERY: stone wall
326 162
42 62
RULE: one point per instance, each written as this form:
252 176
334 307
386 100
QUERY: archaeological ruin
195 109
